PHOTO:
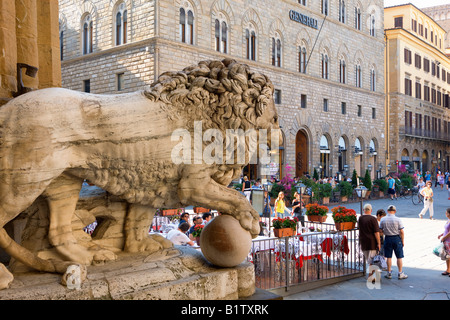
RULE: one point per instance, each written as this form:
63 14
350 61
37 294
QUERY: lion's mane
222 94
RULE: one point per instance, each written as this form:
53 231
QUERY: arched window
357 18
121 25
373 79
342 11
358 76
372 25
302 59
221 35
187 25
276 51
324 64
61 45
250 43
325 7
88 28
342 71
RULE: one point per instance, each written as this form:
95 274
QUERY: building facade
418 88
441 14
325 59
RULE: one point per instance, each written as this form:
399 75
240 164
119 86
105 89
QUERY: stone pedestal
181 273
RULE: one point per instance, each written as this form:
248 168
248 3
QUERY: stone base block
180 273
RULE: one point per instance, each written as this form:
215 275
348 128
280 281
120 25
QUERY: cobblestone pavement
423 268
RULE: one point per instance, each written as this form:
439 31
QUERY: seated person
207 216
184 218
197 220
179 236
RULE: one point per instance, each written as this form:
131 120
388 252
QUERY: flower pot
340 226
197 239
283 232
317 218
325 200
344 199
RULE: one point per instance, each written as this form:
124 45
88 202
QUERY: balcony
422 133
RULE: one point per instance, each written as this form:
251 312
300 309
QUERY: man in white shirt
178 236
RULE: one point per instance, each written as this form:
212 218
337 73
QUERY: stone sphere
224 242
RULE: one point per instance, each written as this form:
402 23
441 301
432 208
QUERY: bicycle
417 198
405 192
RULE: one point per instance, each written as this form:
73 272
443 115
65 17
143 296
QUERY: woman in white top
427 194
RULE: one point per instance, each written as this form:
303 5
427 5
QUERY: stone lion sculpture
51 140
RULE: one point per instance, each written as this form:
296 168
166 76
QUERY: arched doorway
359 165
342 157
425 161
324 157
372 166
301 153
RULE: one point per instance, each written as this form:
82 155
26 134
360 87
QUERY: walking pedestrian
394 241
297 208
246 188
391 188
427 194
369 234
280 206
448 188
380 215
445 238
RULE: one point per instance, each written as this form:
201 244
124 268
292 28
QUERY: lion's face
269 120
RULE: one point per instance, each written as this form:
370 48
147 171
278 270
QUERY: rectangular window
359 111
426 92
418 61
374 113
87 85
343 107
303 101
418 90
426 65
325 105
398 22
408 87
277 96
120 81
408 56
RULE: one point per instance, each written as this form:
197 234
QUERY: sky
418 3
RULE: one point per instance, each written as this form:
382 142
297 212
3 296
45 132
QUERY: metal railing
319 253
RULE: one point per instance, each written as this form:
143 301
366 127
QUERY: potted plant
344 218
346 190
367 183
198 228
316 212
325 192
382 186
284 227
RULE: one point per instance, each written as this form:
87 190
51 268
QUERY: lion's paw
249 220
151 244
103 255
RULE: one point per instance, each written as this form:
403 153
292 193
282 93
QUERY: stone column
26 37
8 50
48 44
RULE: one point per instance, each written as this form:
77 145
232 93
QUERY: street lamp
361 192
